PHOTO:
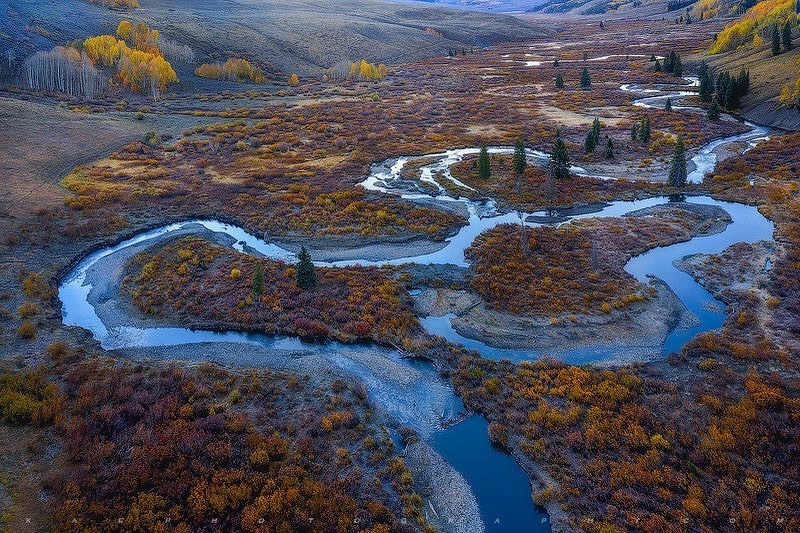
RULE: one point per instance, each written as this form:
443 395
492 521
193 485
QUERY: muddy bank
634 334
450 504
740 267
349 248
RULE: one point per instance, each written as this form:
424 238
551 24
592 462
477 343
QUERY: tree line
133 52
724 89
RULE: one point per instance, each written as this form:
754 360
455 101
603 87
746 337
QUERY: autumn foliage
751 27
206 285
231 70
576 267
145 447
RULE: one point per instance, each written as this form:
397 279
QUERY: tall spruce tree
705 88
787 35
713 110
258 281
634 132
677 67
586 80
484 163
657 66
589 143
668 105
559 81
644 130
306 271
555 63
520 160
593 137
776 40
677 173
559 160
609 148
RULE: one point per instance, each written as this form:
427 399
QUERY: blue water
500 486
748 225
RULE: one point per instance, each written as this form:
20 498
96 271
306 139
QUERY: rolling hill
282 36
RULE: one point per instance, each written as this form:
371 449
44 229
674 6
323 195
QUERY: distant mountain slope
503 6
613 8
281 35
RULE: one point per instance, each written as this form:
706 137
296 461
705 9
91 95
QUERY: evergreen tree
787 35
744 81
657 67
585 56
634 132
559 81
668 105
586 80
652 57
677 173
776 40
644 130
713 110
589 144
555 63
520 159
677 67
306 271
705 88
593 137
609 148
730 96
669 62
559 160
484 164
258 281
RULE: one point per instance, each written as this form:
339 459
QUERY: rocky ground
452 505
740 267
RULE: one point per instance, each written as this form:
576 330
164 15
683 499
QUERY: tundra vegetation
144 446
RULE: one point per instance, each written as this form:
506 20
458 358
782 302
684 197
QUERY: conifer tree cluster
727 90
781 35
593 137
672 64
642 131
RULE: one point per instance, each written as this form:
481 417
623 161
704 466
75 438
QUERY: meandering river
425 400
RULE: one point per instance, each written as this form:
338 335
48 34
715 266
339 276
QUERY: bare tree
63 70
176 52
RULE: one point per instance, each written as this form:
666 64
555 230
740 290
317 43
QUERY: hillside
614 9
281 36
769 74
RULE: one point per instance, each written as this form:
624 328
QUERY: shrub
27 310
27 330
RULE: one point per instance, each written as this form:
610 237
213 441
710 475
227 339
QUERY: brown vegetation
146 447
203 284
